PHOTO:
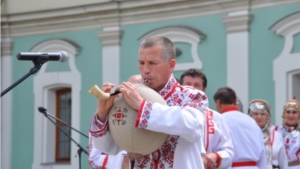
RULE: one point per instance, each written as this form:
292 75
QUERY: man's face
155 71
196 82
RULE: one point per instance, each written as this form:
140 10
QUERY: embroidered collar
290 128
169 88
230 108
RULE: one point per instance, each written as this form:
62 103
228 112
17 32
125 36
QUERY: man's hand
105 105
211 159
125 163
204 160
131 94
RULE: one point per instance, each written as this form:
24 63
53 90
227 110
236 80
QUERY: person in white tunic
98 160
218 142
182 119
249 151
276 156
290 130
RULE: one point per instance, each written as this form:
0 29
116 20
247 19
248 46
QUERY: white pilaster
6 100
111 50
238 53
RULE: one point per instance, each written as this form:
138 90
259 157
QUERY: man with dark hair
216 138
194 78
182 119
249 151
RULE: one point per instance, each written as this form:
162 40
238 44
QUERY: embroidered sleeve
97 128
195 99
144 114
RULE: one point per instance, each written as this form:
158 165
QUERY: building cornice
122 13
6 42
110 37
239 23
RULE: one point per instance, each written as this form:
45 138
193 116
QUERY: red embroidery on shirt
287 140
145 116
210 128
175 95
165 156
103 128
169 89
298 154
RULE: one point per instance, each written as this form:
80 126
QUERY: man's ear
172 63
218 103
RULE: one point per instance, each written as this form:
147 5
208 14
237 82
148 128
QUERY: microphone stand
38 63
50 115
80 150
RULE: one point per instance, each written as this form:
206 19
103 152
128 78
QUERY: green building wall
265 46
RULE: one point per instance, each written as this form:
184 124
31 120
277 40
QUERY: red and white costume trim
98 160
218 139
249 150
182 119
291 138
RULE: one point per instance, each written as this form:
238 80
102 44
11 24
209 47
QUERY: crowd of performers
198 137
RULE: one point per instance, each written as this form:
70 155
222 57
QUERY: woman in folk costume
290 131
260 111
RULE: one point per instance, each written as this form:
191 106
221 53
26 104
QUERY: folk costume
291 136
218 139
98 160
249 151
274 145
182 120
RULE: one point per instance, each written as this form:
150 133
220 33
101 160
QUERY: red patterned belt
243 164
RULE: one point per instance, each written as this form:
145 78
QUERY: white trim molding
182 34
111 53
45 84
238 53
120 13
237 22
287 63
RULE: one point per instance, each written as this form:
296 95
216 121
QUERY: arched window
59 93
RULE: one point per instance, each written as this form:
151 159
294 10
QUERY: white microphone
60 56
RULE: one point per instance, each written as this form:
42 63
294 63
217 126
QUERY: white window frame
287 63
45 85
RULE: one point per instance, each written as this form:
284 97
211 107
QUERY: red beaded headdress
292 105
